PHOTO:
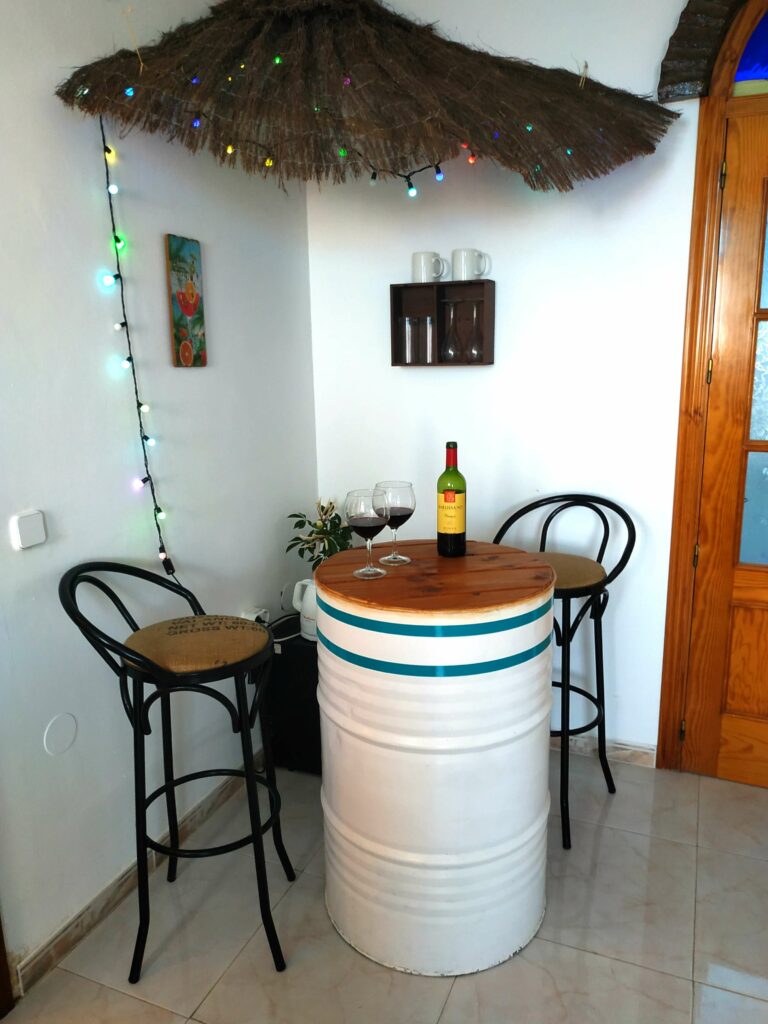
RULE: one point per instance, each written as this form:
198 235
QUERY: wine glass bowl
367 513
401 502
451 349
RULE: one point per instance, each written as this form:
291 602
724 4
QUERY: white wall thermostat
27 529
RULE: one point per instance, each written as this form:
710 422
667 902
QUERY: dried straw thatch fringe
326 89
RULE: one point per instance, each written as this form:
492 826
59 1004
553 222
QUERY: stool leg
253 810
600 694
565 720
140 795
170 793
269 771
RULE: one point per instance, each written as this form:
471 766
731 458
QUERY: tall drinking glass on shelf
367 512
401 502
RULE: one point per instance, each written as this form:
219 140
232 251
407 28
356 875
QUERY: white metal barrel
435 734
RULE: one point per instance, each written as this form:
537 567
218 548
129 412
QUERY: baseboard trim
626 753
25 972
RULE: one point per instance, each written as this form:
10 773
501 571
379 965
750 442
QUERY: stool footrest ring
212 851
590 725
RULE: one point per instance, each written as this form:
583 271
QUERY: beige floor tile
734 818
622 894
713 1006
551 984
301 818
655 803
731 949
326 981
63 998
316 863
198 926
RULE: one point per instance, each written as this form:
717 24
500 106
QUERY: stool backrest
562 503
104 644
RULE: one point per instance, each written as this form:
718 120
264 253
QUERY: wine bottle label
451 512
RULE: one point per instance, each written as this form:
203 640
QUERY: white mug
427 267
469 264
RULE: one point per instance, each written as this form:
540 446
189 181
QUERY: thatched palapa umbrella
324 89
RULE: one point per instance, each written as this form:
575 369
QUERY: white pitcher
305 603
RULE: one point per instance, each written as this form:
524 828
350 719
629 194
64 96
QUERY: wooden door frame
694 392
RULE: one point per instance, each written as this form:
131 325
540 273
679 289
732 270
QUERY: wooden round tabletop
489 576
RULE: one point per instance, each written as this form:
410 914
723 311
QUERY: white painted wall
236 449
589 325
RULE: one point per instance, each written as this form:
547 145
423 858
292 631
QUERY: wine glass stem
368 543
394 541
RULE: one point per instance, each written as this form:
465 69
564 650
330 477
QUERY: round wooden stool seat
198 643
573 572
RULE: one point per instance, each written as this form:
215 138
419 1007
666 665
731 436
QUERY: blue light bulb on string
195 80
150 442
108 280
126 363
129 91
195 122
412 190
438 173
112 189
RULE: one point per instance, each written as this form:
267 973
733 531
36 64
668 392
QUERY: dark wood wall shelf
471 301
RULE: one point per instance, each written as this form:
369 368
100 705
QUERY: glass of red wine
367 512
401 502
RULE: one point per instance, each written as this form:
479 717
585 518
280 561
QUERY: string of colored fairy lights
129 362
269 161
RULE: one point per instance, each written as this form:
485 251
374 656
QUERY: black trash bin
290 710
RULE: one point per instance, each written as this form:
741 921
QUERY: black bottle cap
451 444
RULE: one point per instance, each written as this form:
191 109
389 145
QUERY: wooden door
726 706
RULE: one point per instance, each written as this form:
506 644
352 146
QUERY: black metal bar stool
186 655
579 577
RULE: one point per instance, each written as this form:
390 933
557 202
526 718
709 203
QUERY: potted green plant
325 535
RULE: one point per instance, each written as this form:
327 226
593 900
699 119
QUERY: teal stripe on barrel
436 671
440 630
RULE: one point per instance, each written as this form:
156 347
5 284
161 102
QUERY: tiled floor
658 915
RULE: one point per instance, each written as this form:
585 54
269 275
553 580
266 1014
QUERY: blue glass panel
754 525
754 60
758 428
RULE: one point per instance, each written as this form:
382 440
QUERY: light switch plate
27 529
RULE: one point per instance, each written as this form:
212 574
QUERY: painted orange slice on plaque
186 354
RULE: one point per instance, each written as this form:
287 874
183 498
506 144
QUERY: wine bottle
451 507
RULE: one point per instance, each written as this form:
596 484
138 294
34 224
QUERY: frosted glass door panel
754 525
758 428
